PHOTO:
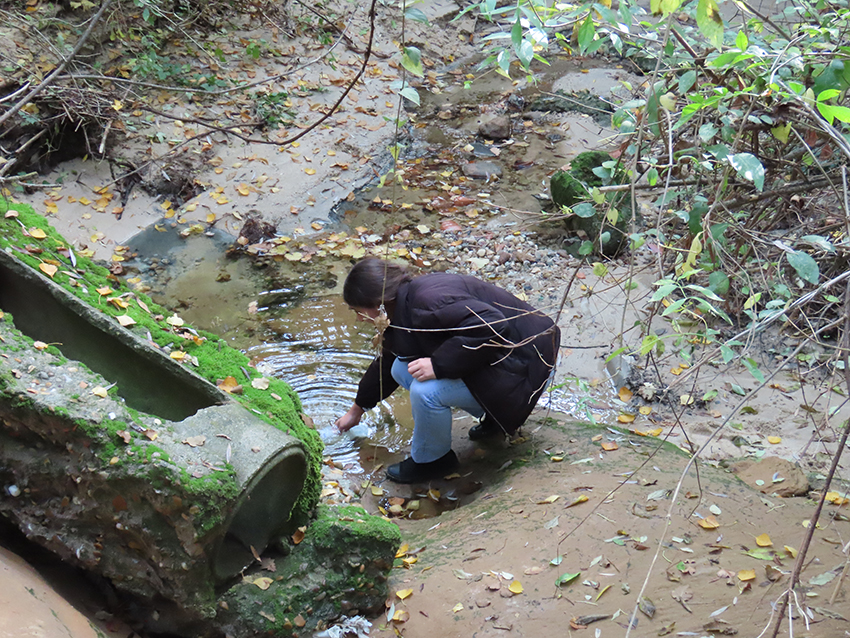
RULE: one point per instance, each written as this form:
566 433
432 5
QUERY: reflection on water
322 351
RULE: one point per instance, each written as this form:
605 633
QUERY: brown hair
373 281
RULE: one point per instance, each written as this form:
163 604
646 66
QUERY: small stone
759 474
499 128
481 170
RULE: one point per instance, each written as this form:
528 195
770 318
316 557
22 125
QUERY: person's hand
349 419
421 369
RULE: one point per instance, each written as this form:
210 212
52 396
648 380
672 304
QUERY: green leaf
708 396
600 269
828 94
525 54
806 267
738 389
652 176
710 23
742 41
707 132
687 81
669 6
727 353
584 210
782 132
704 291
503 61
586 247
663 291
585 33
566 579
411 94
718 282
673 307
749 167
411 60
752 366
834 112
516 34
417 15
761 554
821 242
616 352
649 342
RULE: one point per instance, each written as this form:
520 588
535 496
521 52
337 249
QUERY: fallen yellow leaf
837 499
457 608
402 550
37 233
515 587
625 394
747 574
229 384
763 540
709 522
626 418
126 320
549 499
401 615
582 498
609 446
47 269
404 593
264 582
774 439
310 171
791 551
645 409
99 391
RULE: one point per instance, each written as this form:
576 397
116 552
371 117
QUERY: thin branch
58 70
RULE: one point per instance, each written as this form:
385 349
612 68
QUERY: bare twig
801 557
58 70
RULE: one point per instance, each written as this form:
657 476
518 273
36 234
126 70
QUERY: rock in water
499 128
773 475
481 170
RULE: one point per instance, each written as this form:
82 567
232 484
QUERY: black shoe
409 471
485 429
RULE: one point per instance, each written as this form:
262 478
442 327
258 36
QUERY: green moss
216 359
341 564
362 526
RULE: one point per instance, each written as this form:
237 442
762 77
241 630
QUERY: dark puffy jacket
501 347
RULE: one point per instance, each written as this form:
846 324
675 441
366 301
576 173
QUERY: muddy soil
605 524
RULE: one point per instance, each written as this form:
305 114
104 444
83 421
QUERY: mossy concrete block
197 357
340 568
163 509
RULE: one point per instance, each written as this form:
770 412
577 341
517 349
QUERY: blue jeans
432 402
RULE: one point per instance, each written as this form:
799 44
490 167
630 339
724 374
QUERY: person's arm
350 418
